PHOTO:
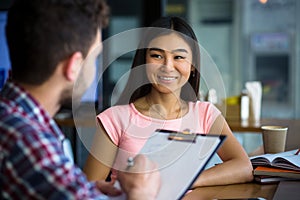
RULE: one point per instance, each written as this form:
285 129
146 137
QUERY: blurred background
249 40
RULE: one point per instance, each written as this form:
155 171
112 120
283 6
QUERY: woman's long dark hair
137 85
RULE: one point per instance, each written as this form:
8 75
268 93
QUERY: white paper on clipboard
180 162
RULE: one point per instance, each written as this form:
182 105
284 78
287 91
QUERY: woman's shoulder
203 106
118 107
116 110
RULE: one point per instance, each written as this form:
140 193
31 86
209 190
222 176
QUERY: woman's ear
193 71
73 66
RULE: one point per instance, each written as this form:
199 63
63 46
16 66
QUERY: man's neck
46 96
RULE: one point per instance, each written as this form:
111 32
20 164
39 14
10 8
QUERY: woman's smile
166 79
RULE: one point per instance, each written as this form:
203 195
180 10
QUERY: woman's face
168 60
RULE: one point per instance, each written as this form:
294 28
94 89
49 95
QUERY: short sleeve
113 120
208 113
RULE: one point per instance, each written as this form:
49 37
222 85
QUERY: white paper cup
274 138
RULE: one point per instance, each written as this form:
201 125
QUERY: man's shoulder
15 120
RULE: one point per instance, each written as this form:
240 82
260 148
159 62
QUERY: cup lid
274 128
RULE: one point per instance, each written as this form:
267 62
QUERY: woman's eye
179 57
155 56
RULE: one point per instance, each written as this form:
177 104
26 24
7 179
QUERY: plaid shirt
32 162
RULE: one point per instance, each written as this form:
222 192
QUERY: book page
280 159
264 159
288 162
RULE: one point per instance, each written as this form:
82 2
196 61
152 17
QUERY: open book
284 160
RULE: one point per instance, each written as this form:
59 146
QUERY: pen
297 152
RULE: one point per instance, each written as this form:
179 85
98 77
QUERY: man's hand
108 188
140 181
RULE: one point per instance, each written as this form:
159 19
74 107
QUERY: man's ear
73 66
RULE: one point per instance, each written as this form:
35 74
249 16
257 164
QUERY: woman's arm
236 166
101 156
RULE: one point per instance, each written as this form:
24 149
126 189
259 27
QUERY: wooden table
293 138
250 126
235 191
88 119
247 190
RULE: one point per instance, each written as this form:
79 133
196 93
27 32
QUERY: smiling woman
170 65
169 59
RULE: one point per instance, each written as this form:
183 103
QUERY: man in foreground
48 41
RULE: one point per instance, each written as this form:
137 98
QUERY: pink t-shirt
129 129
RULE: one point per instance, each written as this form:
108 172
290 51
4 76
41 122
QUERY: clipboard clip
182 137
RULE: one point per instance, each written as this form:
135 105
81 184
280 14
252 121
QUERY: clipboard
181 158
